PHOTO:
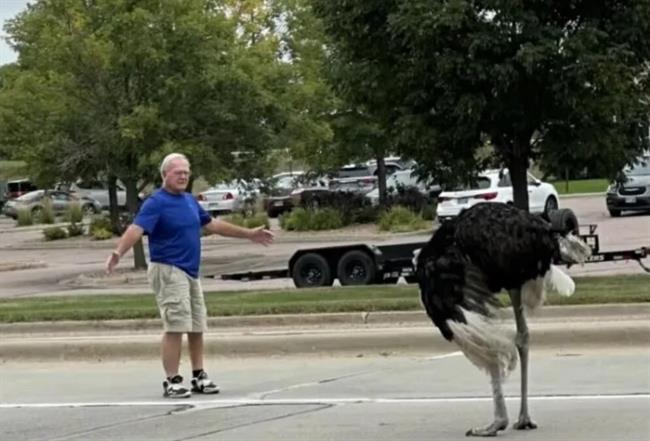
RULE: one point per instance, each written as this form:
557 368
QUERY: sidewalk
319 334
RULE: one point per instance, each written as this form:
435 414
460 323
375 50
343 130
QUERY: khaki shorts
179 297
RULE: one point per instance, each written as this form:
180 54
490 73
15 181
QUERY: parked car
632 192
61 201
278 205
228 197
404 179
95 189
496 186
360 178
18 187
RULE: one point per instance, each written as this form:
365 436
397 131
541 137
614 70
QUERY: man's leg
171 352
195 340
200 381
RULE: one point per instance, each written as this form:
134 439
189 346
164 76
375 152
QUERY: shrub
400 219
254 221
409 197
311 220
429 212
325 219
54 233
73 213
352 207
24 218
75 230
101 234
100 223
46 215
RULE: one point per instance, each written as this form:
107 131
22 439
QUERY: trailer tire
564 220
356 268
311 270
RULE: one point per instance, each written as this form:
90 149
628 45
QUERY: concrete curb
322 334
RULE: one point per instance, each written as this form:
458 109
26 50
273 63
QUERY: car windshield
480 183
642 168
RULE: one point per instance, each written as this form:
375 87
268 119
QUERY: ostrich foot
524 423
490 430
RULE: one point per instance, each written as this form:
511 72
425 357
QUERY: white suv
496 186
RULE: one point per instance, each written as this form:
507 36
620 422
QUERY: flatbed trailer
364 264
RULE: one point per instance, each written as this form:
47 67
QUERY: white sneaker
173 388
203 385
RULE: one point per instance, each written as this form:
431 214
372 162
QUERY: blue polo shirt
173 223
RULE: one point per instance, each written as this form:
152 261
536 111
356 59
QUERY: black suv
632 191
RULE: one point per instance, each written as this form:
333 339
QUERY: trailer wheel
356 268
564 220
311 270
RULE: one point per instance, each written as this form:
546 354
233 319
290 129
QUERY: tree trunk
113 208
518 167
139 261
381 179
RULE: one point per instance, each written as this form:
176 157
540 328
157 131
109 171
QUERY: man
173 219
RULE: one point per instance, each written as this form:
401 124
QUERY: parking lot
30 266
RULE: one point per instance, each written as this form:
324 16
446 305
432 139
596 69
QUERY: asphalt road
575 394
76 265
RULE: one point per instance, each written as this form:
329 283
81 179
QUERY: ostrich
487 248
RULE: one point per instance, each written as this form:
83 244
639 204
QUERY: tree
111 86
530 78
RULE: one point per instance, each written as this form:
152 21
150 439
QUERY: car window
531 179
480 183
505 181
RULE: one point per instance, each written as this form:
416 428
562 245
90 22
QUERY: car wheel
356 268
550 205
311 270
614 213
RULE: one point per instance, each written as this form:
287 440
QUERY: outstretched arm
128 239
258 235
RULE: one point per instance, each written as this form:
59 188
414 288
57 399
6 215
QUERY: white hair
168 159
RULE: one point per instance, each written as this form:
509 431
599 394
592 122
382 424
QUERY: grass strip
589 290
581 186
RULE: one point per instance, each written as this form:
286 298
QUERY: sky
8 9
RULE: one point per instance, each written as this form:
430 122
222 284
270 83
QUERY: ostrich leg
500 411
524 422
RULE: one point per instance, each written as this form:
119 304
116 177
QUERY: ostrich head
573 249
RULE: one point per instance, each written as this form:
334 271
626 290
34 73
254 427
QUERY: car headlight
612 188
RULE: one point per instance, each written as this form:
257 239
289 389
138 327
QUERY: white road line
440 357
309 401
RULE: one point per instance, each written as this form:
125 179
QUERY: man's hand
262 236
112 262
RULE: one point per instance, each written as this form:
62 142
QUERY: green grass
591 290
581 186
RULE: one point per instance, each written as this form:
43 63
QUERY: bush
254 221
101 233
74 213
75 230
352 207
24 218
408 197
100 223
311 220
46 215
401 219
54 233
429 212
